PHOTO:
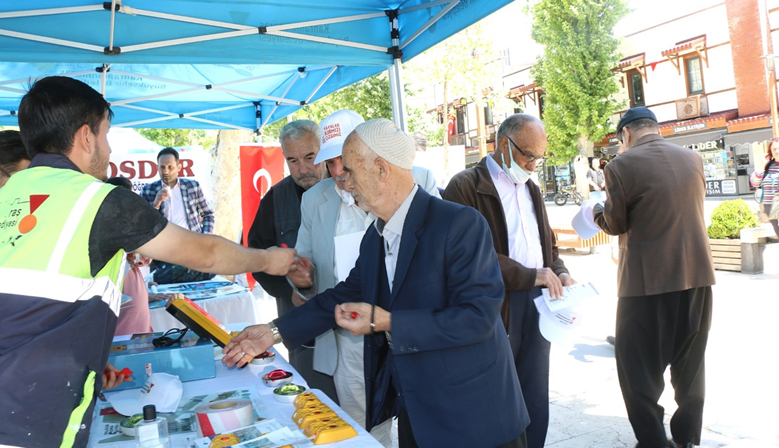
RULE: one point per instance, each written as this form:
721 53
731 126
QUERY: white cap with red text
335 128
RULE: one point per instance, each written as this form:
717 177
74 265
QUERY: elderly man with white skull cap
425 293
331 227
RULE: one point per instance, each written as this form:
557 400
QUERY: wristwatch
275 330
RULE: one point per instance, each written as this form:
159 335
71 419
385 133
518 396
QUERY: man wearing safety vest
63 235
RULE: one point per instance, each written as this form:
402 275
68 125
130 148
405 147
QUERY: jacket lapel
328 216
415 219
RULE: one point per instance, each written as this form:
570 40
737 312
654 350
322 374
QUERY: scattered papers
265 434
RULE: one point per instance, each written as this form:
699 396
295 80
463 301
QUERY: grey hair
515 123
295 130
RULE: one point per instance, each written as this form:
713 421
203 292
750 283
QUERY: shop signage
721 187
141 169
702 146
690 127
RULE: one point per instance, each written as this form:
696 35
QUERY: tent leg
395 72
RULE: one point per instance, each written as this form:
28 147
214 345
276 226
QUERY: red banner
261 168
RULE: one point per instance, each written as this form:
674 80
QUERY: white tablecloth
227 309
230 379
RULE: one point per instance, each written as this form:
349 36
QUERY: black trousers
654 332
531 359
406 436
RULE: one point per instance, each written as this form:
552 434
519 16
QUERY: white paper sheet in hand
572 295
583 222
347 249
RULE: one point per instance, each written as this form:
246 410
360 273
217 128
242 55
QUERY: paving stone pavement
586 405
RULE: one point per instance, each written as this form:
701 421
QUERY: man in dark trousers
499 188
426 292
655 193
276 224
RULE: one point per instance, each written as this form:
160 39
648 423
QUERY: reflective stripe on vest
51 259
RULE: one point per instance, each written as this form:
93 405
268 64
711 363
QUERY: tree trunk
481 129
446 129
581 166
227 182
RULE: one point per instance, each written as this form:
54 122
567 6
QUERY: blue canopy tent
219 64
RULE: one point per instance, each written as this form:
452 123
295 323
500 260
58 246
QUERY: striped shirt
771 183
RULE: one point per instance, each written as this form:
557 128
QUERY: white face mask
346 197
515 173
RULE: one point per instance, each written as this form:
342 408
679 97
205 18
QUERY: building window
488 115
694 75
636 88
461 129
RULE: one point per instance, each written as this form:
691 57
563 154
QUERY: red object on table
126 372
355 314
284 245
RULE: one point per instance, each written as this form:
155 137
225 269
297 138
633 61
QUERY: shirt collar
53 161
496 172
395 225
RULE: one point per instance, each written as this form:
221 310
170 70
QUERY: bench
569 238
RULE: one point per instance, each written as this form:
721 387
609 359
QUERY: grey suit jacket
316 240
655 194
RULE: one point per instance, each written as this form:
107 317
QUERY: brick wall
747 47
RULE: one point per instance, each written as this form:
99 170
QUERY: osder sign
141 169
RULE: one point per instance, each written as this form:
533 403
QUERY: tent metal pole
49 40
396 95
188 40
255 95
321 83
430 23
103 74
326 40
159 95
396 77
430 4
299 75
288 26
113 22
50 11
217 123
9 89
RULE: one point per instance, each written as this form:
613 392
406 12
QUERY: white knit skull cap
388 142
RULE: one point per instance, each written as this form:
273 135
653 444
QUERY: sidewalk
586 405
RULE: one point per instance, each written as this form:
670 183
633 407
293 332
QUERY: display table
227 305
250 378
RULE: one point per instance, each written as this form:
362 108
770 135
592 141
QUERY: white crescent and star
262 172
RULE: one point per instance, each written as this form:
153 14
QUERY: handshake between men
359 318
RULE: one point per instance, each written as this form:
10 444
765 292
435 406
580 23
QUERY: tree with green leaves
467 66
575 71
181 137
370 98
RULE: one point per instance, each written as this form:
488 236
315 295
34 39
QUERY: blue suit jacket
318 220
451 353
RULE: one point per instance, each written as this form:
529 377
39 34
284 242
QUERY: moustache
307 176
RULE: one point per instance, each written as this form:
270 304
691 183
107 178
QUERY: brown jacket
655 204
473 187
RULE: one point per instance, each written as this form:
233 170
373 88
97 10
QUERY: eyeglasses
529 157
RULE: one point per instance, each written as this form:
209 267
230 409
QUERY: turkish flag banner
261 168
